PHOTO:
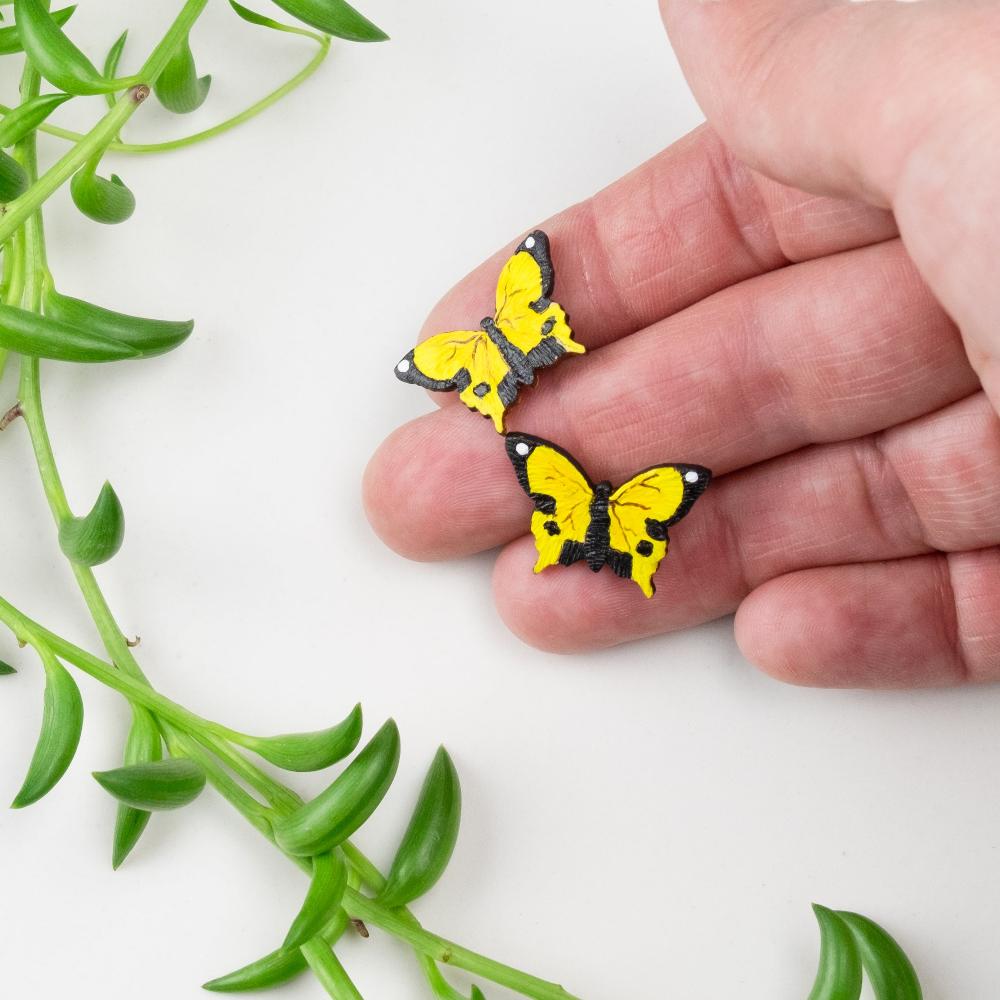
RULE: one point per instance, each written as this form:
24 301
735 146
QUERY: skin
802 295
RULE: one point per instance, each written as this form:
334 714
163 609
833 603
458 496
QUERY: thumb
889 102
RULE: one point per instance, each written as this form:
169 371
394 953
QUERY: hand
793 342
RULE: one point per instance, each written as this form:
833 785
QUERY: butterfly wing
468 362
641 511
562 495
525 313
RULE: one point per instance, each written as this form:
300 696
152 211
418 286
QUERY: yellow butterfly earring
576 520
488 366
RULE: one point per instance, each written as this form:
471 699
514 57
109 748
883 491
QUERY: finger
802 90
821 351
798 88
685 224
931 620
932 483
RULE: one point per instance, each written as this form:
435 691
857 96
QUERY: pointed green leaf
161 784
252 17
111 62
339 810
275 969
13 178
430 838
54 55
309 751
477 994
179 88
326 890
25 118
334 17
62 724
6 669
10 39
279 967
95 538
100 199
889 970
43 337
143 746
148 336
839 973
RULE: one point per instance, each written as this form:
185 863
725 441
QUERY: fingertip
693 27
774 626
439 487
566 609
876 625
388 480
533 605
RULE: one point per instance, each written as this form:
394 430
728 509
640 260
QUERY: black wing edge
691 491
520 462
540 251
459 382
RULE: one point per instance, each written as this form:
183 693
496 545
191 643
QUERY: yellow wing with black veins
641 511
466 361
562 495
487 367
525 313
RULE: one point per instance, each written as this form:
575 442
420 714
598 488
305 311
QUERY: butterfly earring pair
574 519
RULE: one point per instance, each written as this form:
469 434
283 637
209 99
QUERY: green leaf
430 838
161 784
54 55
10 38
889 970
25 118
339 810
309 751
100 199
275 969
13 178
143 746
326 890
334 17
279 967
252 17
62 724
39 336
477 994
95 538
839 973
179 88
148 336
111 62
6 669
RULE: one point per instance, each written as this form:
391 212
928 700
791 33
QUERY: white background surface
645 823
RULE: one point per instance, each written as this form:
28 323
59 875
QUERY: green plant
851 944
170 753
